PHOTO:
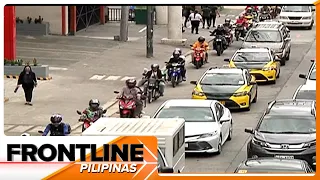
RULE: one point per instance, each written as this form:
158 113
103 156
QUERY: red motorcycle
88 118
198 57
127 106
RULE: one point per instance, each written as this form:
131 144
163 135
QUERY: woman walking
195 19
28 81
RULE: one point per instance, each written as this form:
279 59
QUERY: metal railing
114 14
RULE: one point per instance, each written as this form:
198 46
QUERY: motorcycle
127 106
41 132
264 16
218 44
229 37
239 31
198 57
152 90
175 74
89 118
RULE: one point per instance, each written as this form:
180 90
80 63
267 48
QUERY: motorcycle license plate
223 102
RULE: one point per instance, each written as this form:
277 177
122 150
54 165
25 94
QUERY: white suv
297 16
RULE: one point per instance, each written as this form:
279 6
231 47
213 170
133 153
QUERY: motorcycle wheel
150 96
237 35
173 81
178 79
197 64
83 128
219 50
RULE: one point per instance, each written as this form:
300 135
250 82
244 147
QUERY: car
297 16
273 165
260 61
305 92
311 76
208 124
287 130
235 88
273 35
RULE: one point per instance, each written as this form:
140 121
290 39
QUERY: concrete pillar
162 15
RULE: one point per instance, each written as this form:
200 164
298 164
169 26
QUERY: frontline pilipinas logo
125 157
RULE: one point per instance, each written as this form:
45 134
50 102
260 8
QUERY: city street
107 64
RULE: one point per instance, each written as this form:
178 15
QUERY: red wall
9 32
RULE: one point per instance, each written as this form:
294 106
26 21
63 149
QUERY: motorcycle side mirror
78 112
104 111
226 60
143 74
193 82
116 92
41 132
166 62
210 31
191 45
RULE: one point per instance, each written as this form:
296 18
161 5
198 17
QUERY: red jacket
242 21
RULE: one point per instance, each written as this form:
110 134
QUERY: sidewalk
86 75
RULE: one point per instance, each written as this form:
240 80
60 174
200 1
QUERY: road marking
36 129
112 78
109 103
6 127
21 128
126 78
75 126
97 77
54 50
58 69
143 29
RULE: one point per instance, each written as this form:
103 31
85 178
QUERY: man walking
206 16
213 15
195 19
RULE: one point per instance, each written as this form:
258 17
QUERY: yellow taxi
261 63
234 88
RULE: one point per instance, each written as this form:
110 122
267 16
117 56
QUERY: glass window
161 163
189 114
222 79
264 36
313 75
306 95
175 144
252 57
288 124
181 137
296 9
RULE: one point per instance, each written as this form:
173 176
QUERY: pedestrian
195 19
206 16
28 81
213 15
186 13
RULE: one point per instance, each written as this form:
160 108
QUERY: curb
17 77
6 99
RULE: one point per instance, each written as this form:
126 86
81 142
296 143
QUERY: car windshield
222 79
313 75
252 57
189 114
271 170
264 36
306 95
288 124
296 9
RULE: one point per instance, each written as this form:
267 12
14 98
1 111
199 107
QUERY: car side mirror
224 120
193 82
303 76
166 170
312 60
226 60
249 130
78 112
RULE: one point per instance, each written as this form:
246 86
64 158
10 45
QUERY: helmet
241 16
176 54
179 50
220 26
25 134
94 103
56 119
155 67
131 83
227 20
201 39
249 10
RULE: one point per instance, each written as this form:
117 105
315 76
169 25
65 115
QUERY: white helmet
25 134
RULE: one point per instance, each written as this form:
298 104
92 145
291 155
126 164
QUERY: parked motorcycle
152 90
89 118
239 31
175 74
127 106
264 16
198 57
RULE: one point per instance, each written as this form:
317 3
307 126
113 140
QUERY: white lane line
97 77
20 128
112 78
6 127
58 69
143 29
53 50
126 78
36 129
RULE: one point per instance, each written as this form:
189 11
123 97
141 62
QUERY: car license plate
186 145
284 157
223 102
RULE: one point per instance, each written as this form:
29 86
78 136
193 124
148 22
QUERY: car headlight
244 93
309 144
260 143
268 68
307 17
209 134
197 93
283 17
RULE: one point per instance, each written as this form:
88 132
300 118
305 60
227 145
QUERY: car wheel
278 75
219 146
283 61
288 55
255 97
230 131
310 27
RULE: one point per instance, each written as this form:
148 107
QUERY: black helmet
131 83
227 20
56 119
94 103
201 39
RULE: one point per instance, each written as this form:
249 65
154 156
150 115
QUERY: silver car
273 35
208 123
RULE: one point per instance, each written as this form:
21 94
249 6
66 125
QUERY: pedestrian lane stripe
24 128
127 77
112 78
97 77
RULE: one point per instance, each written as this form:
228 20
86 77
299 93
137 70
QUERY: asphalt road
234 151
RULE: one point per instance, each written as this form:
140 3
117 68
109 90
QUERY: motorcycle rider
155 73
254 8
243 21
249 11
201 43
57 127
221 31
177 58
265 8
94 107
228 27
132 89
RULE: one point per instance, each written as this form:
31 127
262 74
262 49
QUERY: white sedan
208 124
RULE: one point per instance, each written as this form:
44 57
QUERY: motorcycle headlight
283 17
209 134
268 69
244 93
259 142
121 107
307 17
309 144
197 93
